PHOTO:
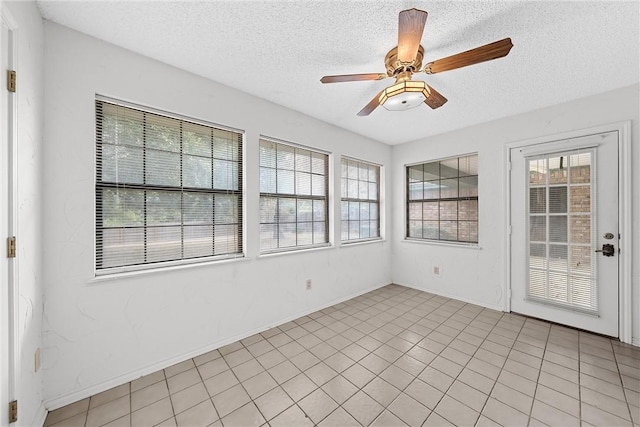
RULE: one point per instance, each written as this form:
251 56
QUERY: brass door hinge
11 247
11 80
13 411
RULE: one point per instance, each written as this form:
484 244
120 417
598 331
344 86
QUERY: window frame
327 198
377 201
100 185
408 200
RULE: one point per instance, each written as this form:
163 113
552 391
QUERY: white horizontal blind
561 223
294 209
166 189
360 200
442 200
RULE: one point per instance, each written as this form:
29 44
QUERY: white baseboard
635 341
496 307
83 393
41 415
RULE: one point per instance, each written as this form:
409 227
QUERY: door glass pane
560 246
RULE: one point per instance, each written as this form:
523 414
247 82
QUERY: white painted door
564 208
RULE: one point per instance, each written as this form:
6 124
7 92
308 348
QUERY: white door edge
9 120
624 218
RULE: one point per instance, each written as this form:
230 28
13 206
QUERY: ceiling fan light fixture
403 96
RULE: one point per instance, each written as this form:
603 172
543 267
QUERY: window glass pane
558 199
449 168
431 171
318 187
226 239
305 233
449 210
196 172
468 210
580 196
448 188
226 208
197 208
558 169
164 243
162 133
415 229
449 230
122 246
469 186
286 210
537 200
164 208
558 228
267 180
267 154
431 230
225 175
198 241
468 165
303 160
268 210
538 228
538 172
432 190
319 210
430 211
163 168
122 208
303 183
286 181
285 158
122 164
121 126
305 210
196 139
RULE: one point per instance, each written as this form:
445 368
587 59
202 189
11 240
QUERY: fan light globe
404 95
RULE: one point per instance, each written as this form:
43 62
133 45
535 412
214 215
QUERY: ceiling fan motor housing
395 66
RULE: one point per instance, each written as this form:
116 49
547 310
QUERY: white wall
100 334
477 274
29 96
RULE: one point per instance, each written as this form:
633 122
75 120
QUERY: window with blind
294 209
442 200
168 190
360 200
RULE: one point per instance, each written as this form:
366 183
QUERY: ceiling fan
405 60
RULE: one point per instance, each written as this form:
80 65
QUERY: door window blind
561 223
167 189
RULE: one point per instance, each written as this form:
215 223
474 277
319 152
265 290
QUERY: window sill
293 251
110 277
461 245
349 243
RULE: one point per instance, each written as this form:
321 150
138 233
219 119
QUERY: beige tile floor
391 357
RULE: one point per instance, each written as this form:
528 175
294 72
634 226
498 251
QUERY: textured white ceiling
278 50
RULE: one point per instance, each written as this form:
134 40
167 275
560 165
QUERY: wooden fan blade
372 105
410 28
474 56
353 77
435 99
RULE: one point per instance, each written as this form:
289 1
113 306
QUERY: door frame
8 194
624 215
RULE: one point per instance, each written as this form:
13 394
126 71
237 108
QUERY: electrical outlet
308 284
436 269
36 358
